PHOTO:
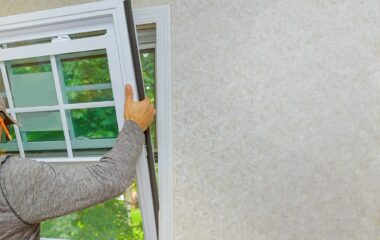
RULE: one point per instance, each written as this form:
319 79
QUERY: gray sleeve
38 191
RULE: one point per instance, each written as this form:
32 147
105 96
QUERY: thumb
128 93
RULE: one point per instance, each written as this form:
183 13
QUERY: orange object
5 129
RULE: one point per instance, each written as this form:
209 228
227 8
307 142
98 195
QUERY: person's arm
38 191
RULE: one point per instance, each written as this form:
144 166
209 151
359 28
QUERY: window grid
61 106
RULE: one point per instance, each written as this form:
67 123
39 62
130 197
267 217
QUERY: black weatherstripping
141 92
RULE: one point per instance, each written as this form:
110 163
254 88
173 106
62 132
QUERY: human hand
141 112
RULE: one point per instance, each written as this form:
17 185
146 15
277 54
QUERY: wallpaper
276 117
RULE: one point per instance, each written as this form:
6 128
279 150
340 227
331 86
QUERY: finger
128 93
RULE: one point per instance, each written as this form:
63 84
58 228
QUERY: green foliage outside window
39 65
148 65
110 220
80 71
94 123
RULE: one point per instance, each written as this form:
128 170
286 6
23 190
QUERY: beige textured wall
276 118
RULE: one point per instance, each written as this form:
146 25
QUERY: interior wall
276 117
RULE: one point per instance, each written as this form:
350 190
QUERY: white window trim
160 16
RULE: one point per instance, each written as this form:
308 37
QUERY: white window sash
121 68
107 42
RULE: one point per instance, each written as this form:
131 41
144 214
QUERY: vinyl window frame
15 28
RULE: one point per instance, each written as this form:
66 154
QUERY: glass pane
148 64
85 77
93 130
90 96
7 146
32 82
42 134
115 219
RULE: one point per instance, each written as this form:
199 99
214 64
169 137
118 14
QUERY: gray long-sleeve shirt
34 191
